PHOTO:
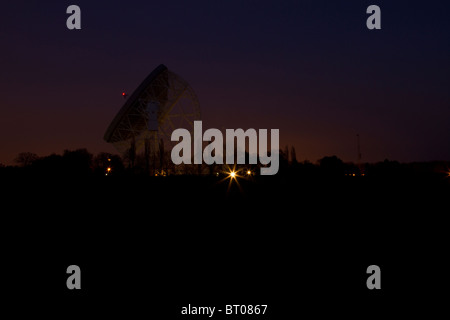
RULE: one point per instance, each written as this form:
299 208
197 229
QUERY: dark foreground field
151 245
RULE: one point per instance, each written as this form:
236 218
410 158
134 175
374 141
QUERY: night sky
309 68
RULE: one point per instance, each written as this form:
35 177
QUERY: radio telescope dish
162 103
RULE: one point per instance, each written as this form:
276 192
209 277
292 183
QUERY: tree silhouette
332 166
77 162
293 156
25 159
286 153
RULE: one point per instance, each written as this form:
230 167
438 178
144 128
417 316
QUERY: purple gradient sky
309 68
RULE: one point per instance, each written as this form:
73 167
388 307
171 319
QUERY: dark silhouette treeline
72 163
312 217
80 163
